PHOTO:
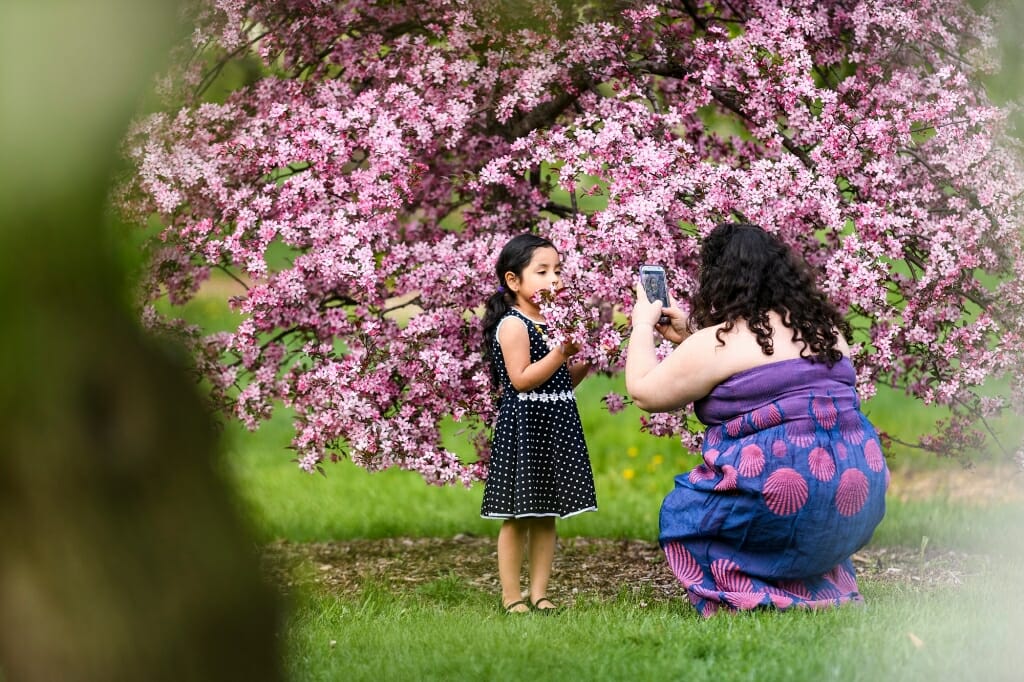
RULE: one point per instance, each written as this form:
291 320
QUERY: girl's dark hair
746 272
514 257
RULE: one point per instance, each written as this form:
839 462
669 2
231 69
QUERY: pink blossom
358 191
614 402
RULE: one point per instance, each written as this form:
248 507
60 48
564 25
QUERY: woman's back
711 355
793 482
742 350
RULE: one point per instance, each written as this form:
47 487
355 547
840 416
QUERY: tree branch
976 413
387 34
557 209
726 100
416 300
212 74
915 259
232 275
543 113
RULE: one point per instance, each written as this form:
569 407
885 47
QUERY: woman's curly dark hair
746 272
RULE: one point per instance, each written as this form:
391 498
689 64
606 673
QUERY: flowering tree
389 149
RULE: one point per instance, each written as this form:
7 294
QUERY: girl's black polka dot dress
539 462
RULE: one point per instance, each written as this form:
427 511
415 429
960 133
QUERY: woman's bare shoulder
721 351
779 322
737 348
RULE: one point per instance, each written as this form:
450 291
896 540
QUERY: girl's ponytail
496 307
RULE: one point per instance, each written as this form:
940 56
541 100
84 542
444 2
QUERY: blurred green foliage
124 554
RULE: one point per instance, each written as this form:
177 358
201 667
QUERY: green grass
446 630
947 524
633 473
449 629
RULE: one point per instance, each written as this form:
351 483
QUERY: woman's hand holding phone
677 328
655 286
644 310
660 312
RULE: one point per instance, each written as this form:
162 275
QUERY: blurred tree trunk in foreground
123 554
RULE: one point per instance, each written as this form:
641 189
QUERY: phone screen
653 277
656 286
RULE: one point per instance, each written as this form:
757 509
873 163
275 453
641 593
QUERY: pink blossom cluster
362 180
587 323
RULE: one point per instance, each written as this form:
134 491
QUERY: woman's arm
515 347
696 366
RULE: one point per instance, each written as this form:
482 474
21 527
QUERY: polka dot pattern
539 461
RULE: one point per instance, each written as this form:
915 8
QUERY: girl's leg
542 555
511 538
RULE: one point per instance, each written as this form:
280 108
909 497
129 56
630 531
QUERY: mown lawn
449 629
445 631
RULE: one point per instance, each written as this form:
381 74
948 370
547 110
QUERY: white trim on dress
525 516
546 397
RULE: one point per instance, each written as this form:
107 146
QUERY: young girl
539 467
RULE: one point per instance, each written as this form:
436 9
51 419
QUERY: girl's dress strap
518 316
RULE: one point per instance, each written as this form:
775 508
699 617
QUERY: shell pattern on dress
792 484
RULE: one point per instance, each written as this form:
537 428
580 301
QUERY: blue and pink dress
792 484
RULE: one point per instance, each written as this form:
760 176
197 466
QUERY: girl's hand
570 349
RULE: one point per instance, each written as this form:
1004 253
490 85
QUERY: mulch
597 568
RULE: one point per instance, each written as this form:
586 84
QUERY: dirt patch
601 568
592 567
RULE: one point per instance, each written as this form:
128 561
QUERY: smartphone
656 286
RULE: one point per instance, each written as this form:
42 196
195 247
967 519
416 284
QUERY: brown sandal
535 605
509 608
